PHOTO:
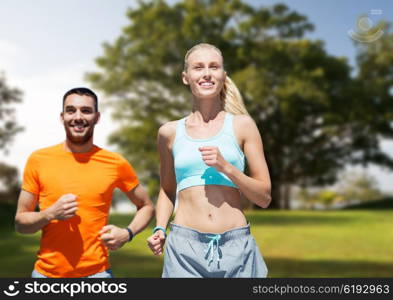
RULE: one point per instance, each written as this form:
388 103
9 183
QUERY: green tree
308 108
9 184
9 190
359 186
351 186
326 197
8 129
8 125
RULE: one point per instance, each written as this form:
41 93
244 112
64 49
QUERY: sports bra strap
180 129
228 123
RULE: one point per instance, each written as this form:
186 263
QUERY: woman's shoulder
243 121
245 127
168 129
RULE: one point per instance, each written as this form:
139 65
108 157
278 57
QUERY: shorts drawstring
214 239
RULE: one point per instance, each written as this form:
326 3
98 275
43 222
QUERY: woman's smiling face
205 73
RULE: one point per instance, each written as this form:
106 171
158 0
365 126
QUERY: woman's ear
184 78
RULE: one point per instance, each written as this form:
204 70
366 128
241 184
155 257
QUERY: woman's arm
167 195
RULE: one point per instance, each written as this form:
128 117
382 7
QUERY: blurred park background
316 76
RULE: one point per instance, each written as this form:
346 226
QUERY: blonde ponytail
232 99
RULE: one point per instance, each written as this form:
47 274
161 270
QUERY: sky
47 46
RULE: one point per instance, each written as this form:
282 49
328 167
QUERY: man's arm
115 237
144 206
28 221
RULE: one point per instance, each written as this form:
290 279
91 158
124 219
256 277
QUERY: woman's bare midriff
210 208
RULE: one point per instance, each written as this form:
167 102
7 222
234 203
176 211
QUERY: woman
202 159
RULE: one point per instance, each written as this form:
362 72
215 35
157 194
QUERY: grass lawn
350 243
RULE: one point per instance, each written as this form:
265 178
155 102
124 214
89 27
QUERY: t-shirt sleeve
127 178
30 176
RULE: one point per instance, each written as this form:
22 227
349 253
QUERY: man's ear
184 78
98 117
62 117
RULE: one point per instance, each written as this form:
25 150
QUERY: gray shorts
234 253
105 274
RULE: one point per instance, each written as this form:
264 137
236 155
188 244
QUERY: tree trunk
276 197
286 195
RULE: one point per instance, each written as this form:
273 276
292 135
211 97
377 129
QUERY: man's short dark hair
82 91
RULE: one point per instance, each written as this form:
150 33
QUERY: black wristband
130 233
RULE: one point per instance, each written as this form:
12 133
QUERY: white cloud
12 56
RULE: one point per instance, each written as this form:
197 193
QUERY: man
72 183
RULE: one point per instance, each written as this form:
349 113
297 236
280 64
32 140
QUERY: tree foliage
9 184
8 125
352 187
314 117
358 186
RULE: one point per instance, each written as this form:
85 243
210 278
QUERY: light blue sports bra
189 167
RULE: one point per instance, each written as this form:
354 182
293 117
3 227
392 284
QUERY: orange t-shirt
72 248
